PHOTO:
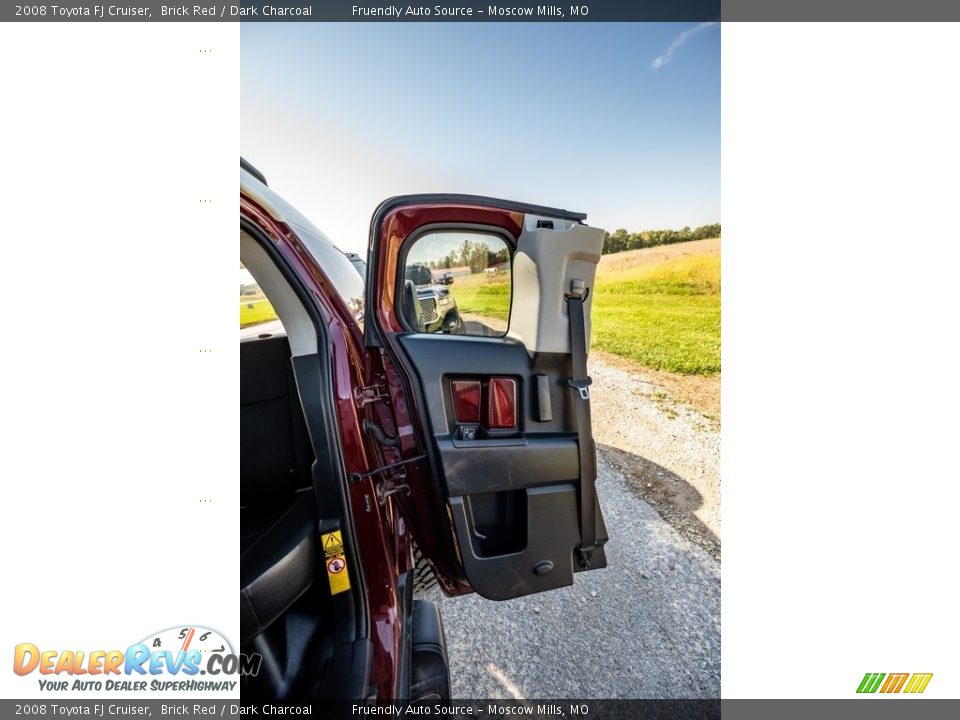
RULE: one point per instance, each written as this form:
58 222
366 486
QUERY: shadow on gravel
666 492
650 620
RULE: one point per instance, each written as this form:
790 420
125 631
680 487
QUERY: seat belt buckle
582 386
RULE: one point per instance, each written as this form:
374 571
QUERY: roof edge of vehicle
253 185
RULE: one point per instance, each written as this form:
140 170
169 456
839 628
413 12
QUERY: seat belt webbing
580 382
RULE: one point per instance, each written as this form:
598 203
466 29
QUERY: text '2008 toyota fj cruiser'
385 443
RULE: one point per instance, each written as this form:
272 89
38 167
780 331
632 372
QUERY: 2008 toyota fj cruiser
376 453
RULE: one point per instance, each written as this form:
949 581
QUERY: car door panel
510 481
483 466
483 477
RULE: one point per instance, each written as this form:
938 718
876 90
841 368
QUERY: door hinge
387 488
369 394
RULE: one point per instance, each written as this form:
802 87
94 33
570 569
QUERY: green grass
663 315
483 294
256 313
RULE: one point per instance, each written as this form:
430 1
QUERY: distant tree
621 240
465 250
617 242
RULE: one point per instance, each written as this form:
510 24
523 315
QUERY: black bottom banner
852 709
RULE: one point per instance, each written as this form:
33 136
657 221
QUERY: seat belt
580 382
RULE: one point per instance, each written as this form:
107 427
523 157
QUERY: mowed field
659 307
255 310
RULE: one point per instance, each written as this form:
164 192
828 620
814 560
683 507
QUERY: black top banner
485 11
371 11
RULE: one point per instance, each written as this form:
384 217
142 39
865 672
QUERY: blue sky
621 121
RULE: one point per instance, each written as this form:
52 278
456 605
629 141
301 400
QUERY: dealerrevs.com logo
171 660
910 683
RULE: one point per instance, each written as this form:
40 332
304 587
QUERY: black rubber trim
245 165
405 597
461 199
329 469
307 370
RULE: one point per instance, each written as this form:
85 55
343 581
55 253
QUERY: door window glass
457 282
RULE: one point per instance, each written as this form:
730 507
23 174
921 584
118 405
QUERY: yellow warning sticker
336 562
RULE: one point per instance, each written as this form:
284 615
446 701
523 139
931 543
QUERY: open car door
483 308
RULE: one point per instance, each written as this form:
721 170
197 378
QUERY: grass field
659 307
483 294
664 315
256 312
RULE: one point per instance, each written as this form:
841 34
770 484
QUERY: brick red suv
376 456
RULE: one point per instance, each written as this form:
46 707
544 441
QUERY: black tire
423 576
459 329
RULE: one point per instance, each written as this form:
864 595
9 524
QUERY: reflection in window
457 282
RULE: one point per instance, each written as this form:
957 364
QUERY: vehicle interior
315 644
288 614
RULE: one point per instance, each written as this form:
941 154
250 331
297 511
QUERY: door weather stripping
586 449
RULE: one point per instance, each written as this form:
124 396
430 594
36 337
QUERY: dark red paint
383 530
375 525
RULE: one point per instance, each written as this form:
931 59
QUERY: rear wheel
453 324
423 577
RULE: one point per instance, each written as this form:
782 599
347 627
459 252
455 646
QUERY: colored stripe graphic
870 682
894 682
918 682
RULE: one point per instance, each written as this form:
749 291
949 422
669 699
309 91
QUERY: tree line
620 240
478 255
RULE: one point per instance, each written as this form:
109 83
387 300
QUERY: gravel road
648 625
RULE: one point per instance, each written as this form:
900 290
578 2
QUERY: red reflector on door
503 403
466 400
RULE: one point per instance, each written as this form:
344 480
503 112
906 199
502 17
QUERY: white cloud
663 59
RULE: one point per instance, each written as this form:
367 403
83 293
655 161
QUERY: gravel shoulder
663 433
647 625
650 620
